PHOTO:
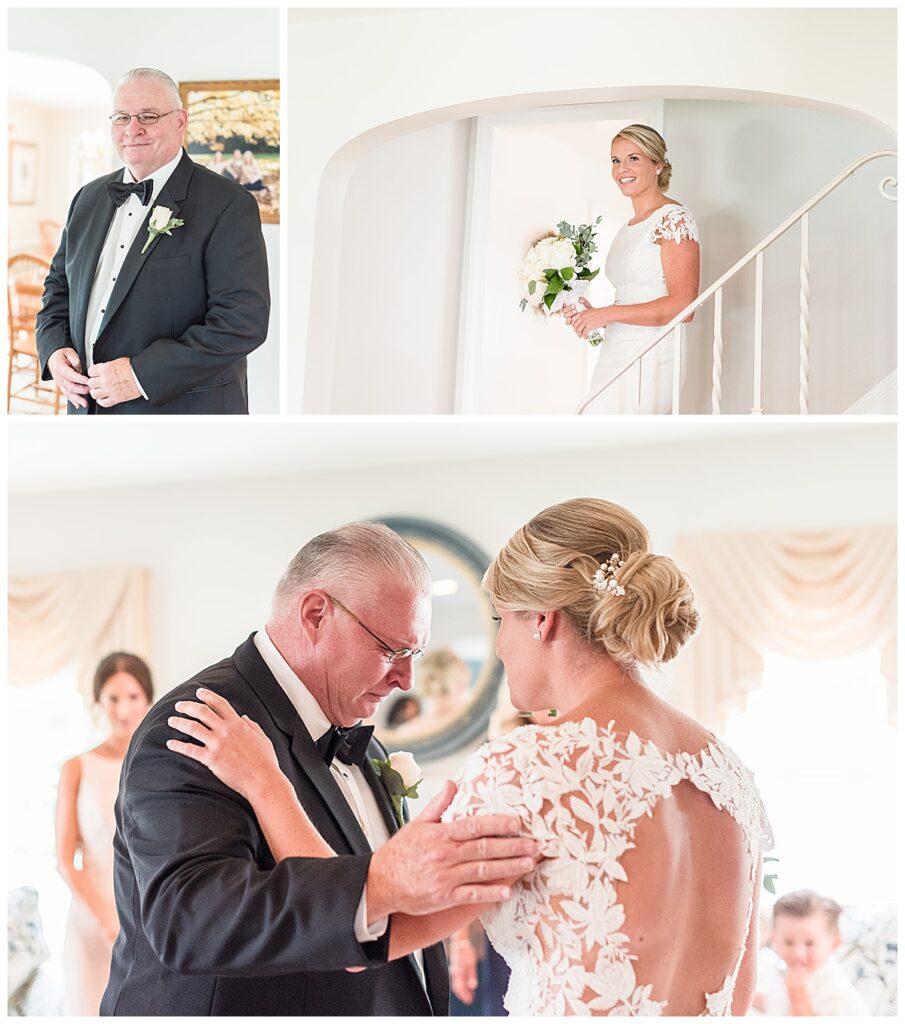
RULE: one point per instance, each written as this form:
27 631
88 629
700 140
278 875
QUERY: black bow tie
119 191
349 745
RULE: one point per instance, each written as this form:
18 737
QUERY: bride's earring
536 634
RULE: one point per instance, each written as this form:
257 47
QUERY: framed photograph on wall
234 129
23 173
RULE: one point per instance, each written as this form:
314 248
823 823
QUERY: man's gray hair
161 77
350 557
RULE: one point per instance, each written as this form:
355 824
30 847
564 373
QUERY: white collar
161 176
301 698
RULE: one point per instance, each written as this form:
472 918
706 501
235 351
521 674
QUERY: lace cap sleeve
493 779
675 224
765 831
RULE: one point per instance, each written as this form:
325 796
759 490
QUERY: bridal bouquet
555 270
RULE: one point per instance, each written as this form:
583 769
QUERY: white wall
402 239
404 70
743 169
216 549
190 44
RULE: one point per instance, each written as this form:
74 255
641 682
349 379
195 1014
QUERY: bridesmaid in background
85 826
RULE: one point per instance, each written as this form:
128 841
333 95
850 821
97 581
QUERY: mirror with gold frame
457 679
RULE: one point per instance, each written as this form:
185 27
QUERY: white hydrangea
552 253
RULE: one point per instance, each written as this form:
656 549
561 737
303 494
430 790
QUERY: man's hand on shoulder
430 866
66 369
113 382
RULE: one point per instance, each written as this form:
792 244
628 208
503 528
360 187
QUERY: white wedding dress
580 790
634 268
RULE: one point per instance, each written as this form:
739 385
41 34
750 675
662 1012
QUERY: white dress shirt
120 238
829 988
349 778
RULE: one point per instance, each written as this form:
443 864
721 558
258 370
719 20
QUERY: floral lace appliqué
675 224
581 790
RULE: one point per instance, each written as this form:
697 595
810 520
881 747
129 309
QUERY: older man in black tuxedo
159 289
211 923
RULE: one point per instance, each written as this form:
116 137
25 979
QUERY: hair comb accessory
605 580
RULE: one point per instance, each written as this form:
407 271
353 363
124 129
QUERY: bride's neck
645 203
597 687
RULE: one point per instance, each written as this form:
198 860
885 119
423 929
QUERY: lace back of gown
582 790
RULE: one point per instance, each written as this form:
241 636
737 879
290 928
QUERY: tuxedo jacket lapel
379 791
305 751
172 195
302 747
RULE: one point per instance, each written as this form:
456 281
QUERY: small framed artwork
23 173
234 129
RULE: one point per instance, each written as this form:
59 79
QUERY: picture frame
23 173
234 129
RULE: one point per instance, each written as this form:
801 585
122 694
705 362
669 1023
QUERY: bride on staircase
654 264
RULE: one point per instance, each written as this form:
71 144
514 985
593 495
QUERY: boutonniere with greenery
162 222
401 778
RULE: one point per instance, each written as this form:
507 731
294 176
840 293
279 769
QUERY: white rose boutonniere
162 222
401 778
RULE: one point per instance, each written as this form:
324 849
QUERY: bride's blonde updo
550 564
653 146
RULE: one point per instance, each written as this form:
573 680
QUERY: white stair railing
675 329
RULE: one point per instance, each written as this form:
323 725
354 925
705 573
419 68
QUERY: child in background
807 980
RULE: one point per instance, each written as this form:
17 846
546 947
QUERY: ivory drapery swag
824 594
75 617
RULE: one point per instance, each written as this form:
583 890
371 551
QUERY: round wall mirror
457 679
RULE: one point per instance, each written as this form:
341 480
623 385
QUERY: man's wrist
380 891
367 927
138 382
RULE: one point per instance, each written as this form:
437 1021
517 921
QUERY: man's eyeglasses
391 655
145 117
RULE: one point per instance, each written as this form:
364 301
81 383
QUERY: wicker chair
24 288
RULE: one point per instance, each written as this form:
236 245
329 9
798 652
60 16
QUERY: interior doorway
533 169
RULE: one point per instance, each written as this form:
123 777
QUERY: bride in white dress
654 264
645 899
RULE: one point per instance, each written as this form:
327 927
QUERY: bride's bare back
651 833
686 902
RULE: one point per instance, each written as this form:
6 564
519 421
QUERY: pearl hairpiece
605 580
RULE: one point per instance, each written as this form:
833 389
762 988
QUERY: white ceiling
59 454
54 83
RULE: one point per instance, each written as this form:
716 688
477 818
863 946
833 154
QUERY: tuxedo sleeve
203 900
238 309
52 325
